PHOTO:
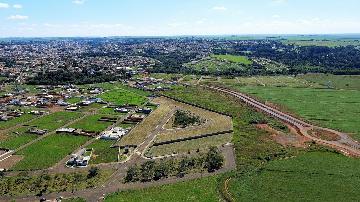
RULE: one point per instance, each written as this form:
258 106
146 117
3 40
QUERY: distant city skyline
86 18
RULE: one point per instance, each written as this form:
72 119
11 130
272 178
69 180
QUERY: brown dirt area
324 135
292 139
10 162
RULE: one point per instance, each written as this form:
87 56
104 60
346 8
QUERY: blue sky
29 18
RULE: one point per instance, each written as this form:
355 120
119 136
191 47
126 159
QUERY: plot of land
334 81
54 121
122 97
15 121
48 151
91 123
102 153
234 58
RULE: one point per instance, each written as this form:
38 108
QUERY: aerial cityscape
140 100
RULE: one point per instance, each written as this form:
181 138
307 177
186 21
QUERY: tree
147 171
132 174
214 159
93 172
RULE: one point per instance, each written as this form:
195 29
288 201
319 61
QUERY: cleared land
102 153
16 121
48 151
204 189
91 123
54 121
122 97
348 82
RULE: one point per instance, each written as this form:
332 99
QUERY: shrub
132 174
214 159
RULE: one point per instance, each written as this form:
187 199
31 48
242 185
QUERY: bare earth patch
10 162
292 139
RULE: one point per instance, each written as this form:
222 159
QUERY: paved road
345 144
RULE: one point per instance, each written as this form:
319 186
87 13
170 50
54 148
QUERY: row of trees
152 170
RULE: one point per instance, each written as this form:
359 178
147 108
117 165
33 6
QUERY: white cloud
4 5
219 8
78 2
279 1
17 6
18 17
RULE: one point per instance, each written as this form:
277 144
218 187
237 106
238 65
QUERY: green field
314 176
91 123
234 58
195 190
48 151
336 109
334 81
122 97
324 42
14 141
16 121
54 121
102 152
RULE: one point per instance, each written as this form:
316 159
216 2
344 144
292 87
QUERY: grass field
314 176
102 152
195 190
334 81
91 123
121 97
15 141
336 109
48 151
234 58
324 42
16 121
190 146
54 121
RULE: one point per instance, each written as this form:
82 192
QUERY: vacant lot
102 152
48 151
16 121
195 190
331 178
122 97
14 141
54 121
91 123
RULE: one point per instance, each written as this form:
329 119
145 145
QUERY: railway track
345 144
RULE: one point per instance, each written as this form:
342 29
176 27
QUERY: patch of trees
152 170
184 119
61 77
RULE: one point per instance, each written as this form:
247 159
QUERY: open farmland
336 109
195 190
348 82
48 151
314 176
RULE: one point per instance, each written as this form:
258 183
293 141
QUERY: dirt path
345 144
